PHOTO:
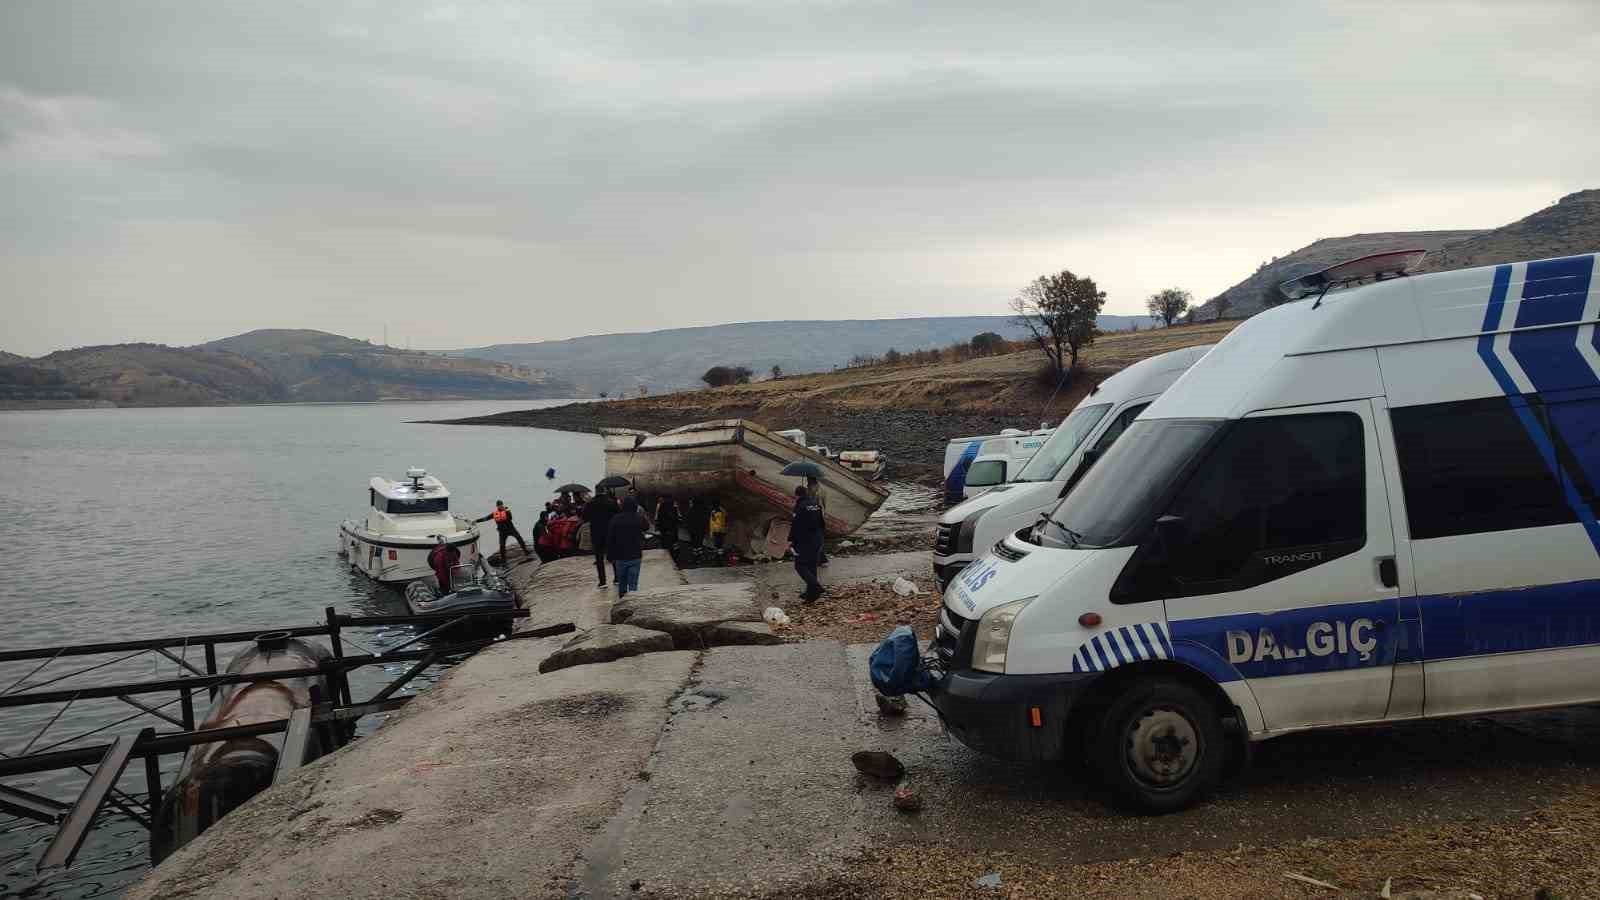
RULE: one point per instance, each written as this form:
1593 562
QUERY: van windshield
1118 494
1063 441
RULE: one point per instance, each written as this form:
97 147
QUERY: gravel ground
1549 854
863 613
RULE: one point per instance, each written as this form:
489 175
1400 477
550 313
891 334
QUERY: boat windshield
419 505
1107 507
1063 441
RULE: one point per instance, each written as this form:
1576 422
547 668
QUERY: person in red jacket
442 559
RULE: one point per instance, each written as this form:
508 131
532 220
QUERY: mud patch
696 699
593 705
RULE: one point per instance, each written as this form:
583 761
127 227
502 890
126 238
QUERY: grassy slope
1569 226
997 385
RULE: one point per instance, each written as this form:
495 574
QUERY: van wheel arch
1086 713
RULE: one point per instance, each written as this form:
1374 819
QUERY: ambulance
1371 505
1086 433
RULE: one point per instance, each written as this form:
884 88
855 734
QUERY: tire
1158 746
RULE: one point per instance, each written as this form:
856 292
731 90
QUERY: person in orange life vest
506 527
442 559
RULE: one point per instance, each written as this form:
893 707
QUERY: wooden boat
738 462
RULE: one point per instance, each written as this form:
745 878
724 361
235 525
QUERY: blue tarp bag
896 666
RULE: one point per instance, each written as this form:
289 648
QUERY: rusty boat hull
739 463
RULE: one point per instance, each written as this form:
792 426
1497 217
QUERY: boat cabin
420 503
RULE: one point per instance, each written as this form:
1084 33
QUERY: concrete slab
751 787
604 643
688 612
563 590
488 785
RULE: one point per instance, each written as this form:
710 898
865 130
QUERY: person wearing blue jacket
625 546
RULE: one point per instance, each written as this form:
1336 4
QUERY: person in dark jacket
507 528
442 559
697 522
805 539
598 514
667 520
625 546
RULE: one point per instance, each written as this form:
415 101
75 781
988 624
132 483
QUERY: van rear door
1274 556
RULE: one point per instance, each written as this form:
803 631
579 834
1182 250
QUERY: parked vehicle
1372 506
1084 436
975 464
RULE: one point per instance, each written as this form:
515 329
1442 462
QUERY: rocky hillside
674 359
1260 290
318 366
140 375
1570 225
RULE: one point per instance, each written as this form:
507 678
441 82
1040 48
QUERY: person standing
699 519
598 514
805 539
814 488
507 528
719 525
442 559
625 546
667 524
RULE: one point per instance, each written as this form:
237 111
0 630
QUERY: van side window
1278 495
1471 467
1116 428
986 473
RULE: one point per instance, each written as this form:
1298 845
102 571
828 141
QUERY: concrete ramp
751 786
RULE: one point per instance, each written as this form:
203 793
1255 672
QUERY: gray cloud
493 171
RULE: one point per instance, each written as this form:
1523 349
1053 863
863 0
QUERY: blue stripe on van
956 484
1452 626
1554 291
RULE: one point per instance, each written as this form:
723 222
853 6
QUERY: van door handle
1388 572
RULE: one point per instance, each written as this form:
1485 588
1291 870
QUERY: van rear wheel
1159 746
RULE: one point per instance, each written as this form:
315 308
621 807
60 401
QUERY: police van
1374 504
1086 433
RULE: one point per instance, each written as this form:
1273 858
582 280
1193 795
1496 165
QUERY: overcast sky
505 171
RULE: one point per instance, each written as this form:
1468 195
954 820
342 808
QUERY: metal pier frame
333 717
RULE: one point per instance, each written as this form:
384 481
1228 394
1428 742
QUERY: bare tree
1167 305
1059 313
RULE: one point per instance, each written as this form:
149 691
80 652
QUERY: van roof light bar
1373 267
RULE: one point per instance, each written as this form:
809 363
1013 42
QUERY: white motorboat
403 519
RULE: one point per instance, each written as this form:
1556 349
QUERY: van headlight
969 531
994 636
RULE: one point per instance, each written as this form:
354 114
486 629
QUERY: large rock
725 633
604 643
690 614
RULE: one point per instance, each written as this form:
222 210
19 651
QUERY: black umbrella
574 488
803 469
613 481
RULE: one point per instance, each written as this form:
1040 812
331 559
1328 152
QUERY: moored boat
403 517
738 462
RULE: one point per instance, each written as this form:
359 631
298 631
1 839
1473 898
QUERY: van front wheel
1159 746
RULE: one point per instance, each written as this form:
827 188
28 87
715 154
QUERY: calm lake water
121 524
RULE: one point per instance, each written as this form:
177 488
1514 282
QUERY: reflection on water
124 524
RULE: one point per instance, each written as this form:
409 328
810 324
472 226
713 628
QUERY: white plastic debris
990 881
905 587
775 616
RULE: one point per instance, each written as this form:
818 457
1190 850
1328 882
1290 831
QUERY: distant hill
1260 290
1568 226
139 375
318 366
675 358
11 359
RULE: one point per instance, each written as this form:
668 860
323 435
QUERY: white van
1097 421
973 465
1375 506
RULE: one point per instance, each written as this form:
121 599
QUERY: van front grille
947 639
944 542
